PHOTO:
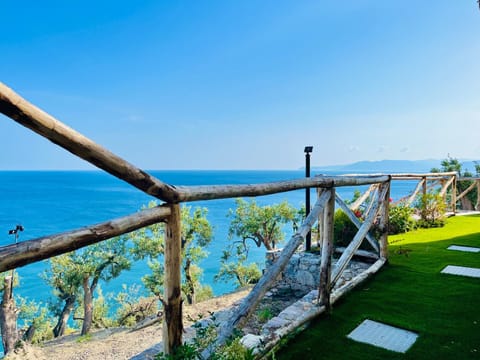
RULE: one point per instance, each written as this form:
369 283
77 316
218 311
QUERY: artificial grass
410 293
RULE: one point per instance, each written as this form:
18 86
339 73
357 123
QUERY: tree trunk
87 307
29 333
190 293
8 317
59 329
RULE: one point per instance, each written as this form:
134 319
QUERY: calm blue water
49 202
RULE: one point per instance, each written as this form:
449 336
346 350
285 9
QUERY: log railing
12 256
443 182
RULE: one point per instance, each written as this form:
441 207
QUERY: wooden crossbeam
358 238
356 204
355 220
30 116
26 252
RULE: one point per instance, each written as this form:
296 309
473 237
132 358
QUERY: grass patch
409 293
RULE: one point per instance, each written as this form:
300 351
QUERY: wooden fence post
8 316
172 302
383 224
327 250
477 205
454 195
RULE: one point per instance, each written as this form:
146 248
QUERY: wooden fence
15 255
446 184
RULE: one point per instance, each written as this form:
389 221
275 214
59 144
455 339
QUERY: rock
251 341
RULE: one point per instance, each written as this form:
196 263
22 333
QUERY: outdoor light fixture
308 150
16 230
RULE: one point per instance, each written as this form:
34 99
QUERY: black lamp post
308 150
15 232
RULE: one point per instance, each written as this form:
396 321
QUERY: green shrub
343 229
400 219
432 210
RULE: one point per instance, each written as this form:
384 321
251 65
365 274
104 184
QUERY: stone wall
302 273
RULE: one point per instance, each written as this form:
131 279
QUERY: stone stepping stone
383 336
464 248
462 271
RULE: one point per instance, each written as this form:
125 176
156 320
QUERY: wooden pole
211 192
421 185
8 316
172 302
467 190
454 194
384 220
26 252
30 116
477 205
356 221
327 251
363 197
424 186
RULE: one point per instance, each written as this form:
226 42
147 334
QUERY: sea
50 202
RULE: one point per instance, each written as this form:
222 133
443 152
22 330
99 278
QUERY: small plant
84 338
264 315
432 210
400 219
205 339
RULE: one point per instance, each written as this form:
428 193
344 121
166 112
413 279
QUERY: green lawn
409 293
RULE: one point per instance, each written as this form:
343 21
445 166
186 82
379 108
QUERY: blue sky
245 84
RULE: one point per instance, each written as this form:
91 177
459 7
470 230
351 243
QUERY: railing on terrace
15 255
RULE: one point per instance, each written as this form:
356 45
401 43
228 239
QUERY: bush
400 219
343 229
432 210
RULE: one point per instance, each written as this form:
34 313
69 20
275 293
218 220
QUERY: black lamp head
16 230
308 149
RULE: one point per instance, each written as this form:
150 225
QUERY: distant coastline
392 166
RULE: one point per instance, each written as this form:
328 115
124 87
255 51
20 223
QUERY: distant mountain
392 166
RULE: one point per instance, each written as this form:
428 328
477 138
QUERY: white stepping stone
462 271
383 336
464 248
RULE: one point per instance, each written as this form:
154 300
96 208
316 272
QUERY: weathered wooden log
327 251
383 223
211 192
355 221
365 254
30 116
358 238
26 252
467 190
172 302
350 285
477 205
363 197
423 175
250 302
412 197
8 316
453 199
468 178
445 185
